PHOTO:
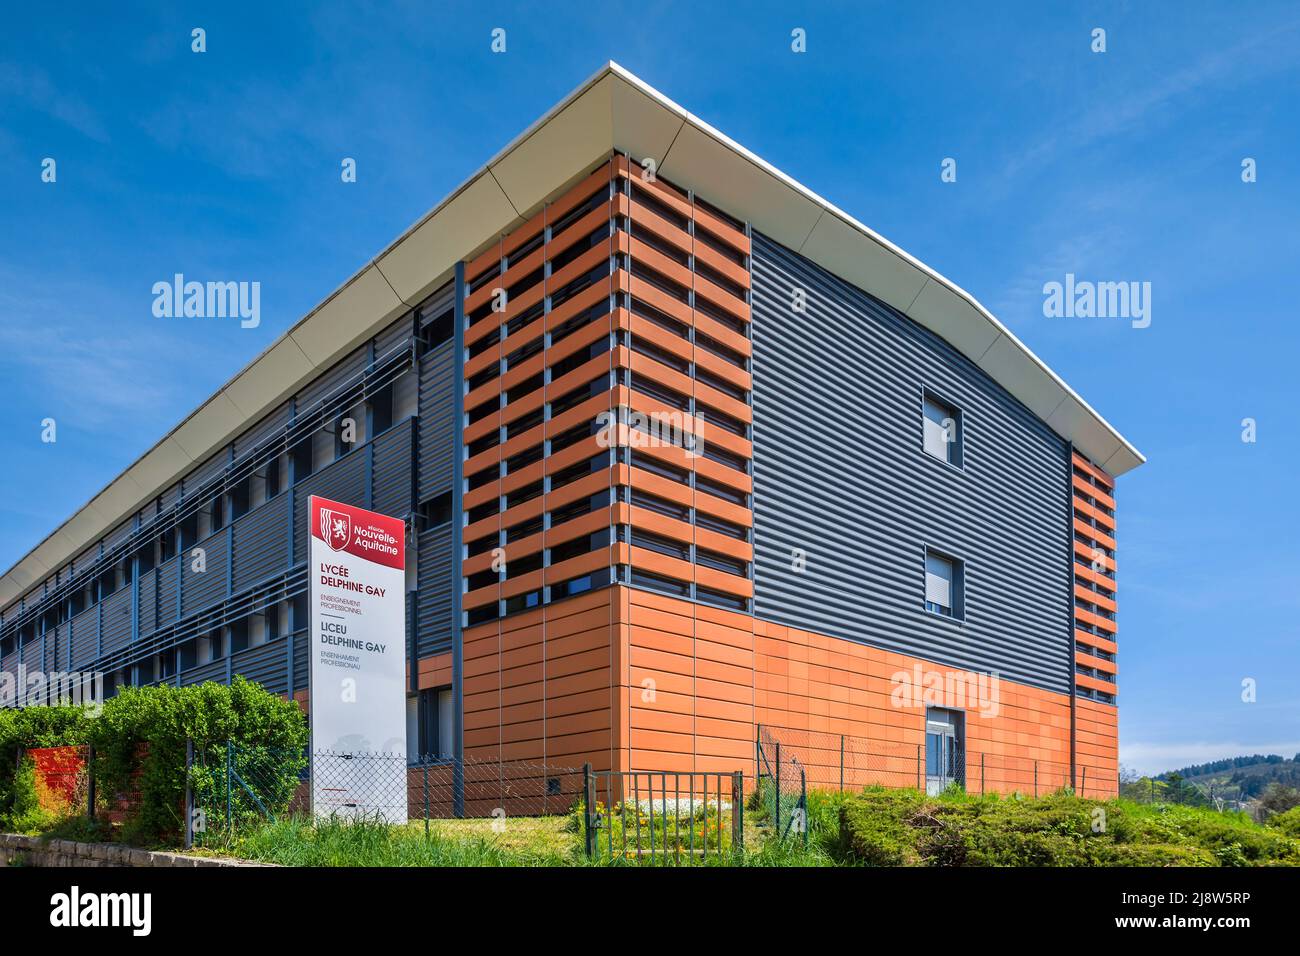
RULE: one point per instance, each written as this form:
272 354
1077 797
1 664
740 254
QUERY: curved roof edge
612 109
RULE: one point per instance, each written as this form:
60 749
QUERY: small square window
944 585
941 429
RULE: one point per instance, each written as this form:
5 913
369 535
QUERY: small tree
1277 798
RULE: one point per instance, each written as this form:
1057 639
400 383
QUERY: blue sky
1117 166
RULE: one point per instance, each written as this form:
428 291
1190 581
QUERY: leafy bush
905 828
140 738
22 730
1288 822
1276 799
25 813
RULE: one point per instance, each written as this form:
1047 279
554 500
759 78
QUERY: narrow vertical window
941 429
943 584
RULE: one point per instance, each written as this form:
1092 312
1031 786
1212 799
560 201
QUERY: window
434 718
238 635
217 514
435 512
381 409
943 584
265 483
239 499
302 459
942 431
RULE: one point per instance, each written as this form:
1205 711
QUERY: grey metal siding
85 638
395 336
120 533
247 563
840 473
390 493
199 588
32 655
57 659
343 372
344 480
437 421
273 425
117 620
213 670
266 664
433 603
197 480
259 547
148 602
167 575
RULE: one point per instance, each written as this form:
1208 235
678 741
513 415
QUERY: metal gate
662 817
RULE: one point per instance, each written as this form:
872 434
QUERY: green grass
906 828
298 842
875 827
524 841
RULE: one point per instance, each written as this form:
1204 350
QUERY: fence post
841 763
90 783
777 788
919 785
803 804
230 766
1084 791
981 773
737 813
588 805
426 799
189 793
1035 778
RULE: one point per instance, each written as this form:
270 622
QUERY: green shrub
25 813
893 828
140 738
873 827
1288 823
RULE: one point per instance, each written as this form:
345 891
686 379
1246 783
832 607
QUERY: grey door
944 750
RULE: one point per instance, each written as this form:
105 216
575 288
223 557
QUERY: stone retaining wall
16 850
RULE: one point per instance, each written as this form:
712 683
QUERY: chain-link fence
790 762
231 785
517 803
781 785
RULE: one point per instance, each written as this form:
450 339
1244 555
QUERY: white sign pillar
357 664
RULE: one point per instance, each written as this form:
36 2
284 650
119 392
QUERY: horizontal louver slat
391 494
260 546
437 421
433 599
117 620
266 664
344 480
199 588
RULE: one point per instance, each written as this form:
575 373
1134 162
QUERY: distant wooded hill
1241 778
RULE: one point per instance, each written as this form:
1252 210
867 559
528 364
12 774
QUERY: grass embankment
876 827
905 828
526 841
